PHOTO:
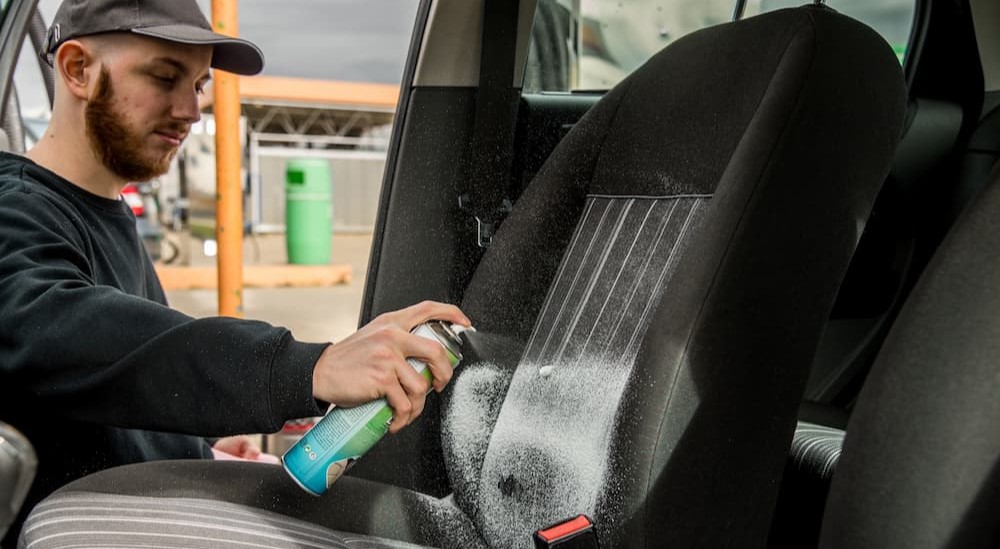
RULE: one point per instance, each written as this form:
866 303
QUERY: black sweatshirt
90 353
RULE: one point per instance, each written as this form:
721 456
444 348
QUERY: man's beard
120 149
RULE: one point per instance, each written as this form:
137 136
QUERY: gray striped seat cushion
816 448
79 520
809 470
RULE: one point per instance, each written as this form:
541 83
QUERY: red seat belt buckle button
575 533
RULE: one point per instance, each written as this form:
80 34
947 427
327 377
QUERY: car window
593 44
31 94
579 45
29 85
893 19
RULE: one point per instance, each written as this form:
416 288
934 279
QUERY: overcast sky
359 40
356 40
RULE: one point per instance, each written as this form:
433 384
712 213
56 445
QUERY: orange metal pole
228 156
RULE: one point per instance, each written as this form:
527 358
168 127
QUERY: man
95 369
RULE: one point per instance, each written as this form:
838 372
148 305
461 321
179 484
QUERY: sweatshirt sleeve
97 354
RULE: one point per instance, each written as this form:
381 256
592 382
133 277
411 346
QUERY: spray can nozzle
459 329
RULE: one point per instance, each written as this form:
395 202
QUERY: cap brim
229 54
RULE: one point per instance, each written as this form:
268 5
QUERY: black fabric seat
805 484
978 162
921 461
647 313
882 272
817 446
891 254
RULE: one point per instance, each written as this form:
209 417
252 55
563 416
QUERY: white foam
468 417
548 457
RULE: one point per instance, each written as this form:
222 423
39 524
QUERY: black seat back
921 460
653 301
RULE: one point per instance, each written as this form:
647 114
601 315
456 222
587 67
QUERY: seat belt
575 533
491 149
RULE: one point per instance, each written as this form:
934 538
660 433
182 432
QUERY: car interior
743 298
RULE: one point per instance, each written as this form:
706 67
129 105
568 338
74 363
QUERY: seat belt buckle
575 533
486 223
484 232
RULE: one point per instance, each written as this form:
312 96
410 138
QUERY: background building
346 123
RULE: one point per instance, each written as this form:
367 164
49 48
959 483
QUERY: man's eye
165 80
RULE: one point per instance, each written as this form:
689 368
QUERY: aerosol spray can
332 446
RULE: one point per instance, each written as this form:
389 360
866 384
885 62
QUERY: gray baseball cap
173 20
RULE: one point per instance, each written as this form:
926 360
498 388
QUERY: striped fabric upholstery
612 274
541 462
805 485
816 449
78 520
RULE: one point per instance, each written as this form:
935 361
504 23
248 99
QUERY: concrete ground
312 314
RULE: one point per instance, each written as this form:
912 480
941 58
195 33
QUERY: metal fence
356 178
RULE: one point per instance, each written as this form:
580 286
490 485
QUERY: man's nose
186 108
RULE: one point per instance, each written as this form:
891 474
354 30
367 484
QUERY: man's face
143 105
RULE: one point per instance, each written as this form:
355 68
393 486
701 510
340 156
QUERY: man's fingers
433 354
416 388
411 380
401 407
372 362
412 316
251 451
417 405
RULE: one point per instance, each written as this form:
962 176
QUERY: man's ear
76 64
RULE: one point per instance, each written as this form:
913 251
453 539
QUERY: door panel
414 256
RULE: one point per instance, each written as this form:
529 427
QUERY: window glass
593 44
31 94
893 19
29 84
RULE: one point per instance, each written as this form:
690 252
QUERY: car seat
648 312
818 441
921 460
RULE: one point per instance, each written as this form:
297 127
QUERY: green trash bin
308 211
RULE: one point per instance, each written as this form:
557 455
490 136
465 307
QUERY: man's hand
371 363
240 446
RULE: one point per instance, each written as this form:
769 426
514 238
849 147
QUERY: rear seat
819 436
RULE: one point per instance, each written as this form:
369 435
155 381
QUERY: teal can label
332 446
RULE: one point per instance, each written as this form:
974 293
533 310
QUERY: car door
21 34
17 459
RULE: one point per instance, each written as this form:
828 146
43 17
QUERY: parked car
141 198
